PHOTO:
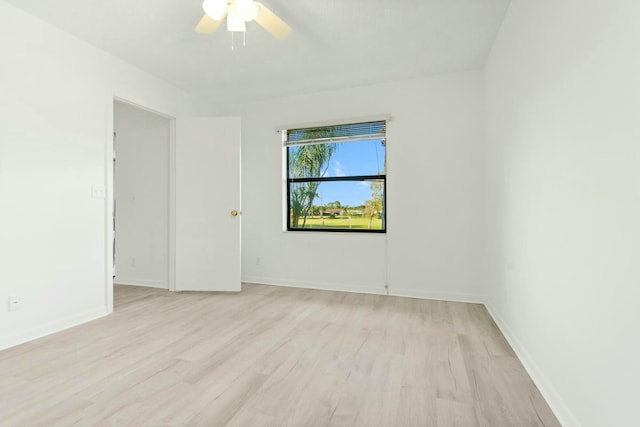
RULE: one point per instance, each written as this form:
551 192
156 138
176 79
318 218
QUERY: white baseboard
339 287
548 391
141 282
52 328
436 295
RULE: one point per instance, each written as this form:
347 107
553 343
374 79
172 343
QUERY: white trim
338 287
52 328
548 391
172 205
239 271
111 192
342 287
336 122
160 284
139 106
109 205
435 295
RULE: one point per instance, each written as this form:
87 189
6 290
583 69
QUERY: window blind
336 133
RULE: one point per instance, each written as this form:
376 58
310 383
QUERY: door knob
234 213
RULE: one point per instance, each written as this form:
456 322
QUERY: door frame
109 196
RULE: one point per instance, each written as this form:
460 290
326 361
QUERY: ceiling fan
238 13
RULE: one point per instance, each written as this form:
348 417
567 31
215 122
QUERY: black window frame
350 178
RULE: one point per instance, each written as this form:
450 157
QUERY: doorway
141 197
198 222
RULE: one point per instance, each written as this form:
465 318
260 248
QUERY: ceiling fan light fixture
252 13
235 20
238 13
247 8
215 9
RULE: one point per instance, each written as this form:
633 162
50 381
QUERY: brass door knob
234 213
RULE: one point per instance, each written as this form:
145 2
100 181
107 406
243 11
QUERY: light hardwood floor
272 356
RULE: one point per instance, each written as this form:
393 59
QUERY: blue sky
352 158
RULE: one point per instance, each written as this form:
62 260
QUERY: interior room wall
141 189
561 185
434 246
563 125
56 124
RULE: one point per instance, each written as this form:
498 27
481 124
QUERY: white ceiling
335 43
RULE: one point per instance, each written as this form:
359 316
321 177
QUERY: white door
207 195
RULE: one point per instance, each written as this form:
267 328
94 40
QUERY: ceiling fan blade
272 23
208 25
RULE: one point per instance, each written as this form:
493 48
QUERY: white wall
563 126
141 188
562 104
435 241
56 109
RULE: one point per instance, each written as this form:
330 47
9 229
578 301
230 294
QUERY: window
336 177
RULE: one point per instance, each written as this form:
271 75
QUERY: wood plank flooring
272 356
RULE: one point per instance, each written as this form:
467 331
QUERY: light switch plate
98 191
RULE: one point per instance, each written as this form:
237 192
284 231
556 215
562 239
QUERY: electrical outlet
14 303
133 262
258 261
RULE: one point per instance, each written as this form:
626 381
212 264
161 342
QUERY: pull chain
244 39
